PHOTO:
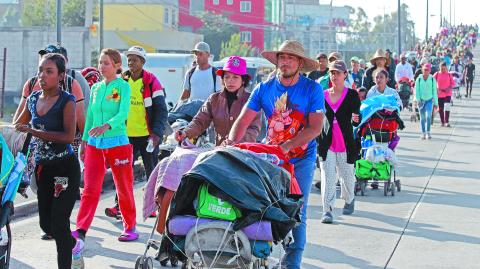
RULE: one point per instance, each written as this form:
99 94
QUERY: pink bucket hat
236 65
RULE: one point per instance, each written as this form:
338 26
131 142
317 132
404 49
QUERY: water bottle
150 145
4 237
367 142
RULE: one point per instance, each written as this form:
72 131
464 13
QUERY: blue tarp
373 104
7 162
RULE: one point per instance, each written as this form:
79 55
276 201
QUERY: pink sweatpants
120 161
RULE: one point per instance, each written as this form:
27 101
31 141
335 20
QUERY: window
196 7
166 16
245 6
229 2
174 17
216 2
246 36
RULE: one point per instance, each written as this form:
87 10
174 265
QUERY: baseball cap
388 50
338 65
335 55
137 50
355 59
53 49
321 55
201 46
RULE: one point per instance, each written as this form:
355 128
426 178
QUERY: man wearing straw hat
294 106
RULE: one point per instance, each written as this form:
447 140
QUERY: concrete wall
23 44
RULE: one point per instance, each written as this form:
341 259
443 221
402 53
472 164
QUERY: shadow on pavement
95 243
14 263
414 228
333 257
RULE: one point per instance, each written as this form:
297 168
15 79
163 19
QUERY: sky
467 11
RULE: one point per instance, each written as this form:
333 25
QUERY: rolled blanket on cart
13 138
260 230
167 174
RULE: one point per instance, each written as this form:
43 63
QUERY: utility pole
330 31
454 13
88 13
450 9
59 22
399 21
426 27
101 26
441 13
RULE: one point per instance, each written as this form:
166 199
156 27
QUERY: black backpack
214 76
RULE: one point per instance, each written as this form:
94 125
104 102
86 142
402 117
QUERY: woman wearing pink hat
223 108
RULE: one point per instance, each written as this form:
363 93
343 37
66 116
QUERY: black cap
389 51
53 49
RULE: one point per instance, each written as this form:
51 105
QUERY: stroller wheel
139 262
147 263
392 188
173 261
386 188
398 185
164 262
363 185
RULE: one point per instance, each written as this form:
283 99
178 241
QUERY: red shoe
113 212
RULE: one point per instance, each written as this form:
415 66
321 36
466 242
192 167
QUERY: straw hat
294 48
378 54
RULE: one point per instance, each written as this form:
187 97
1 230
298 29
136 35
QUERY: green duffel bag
363 169
212 207
382 171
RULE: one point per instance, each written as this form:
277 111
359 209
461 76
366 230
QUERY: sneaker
423 136
443 124
349 208
153 215
77 255
45 236
374 185
429 136
447 125
128 235
327 217
113 212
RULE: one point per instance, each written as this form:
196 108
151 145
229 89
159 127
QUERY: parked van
170 69
258 69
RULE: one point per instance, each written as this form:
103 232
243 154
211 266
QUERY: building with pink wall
248 15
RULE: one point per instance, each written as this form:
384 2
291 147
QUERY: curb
30 207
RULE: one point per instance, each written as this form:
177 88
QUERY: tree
43 12
11 18
235 47
216 30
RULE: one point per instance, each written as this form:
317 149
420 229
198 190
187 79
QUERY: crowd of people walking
110 118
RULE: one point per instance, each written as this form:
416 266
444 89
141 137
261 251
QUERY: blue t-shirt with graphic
287 110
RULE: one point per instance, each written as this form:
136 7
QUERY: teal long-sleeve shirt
108 104
426 89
